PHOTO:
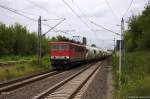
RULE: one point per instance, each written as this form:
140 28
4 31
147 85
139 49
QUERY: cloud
96 10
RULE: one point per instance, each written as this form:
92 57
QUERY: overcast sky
107 13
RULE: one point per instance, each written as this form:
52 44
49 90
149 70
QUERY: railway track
29 90
69 87
14 84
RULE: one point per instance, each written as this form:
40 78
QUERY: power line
73 11
92 21
111 9
41 7
86 18
32 19
105 28
128 8
96 36
4 7
18 13
29 13
33 3
78 8
54 26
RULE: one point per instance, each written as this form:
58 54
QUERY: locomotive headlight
67 57
52 57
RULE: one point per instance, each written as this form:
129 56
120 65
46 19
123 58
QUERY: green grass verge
16 58
19 70
135 76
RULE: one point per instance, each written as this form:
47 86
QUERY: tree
17 40
59 38
137 37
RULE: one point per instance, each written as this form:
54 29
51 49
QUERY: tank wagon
64 54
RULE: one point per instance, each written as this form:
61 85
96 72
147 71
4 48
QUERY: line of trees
59 38
138 35
17 40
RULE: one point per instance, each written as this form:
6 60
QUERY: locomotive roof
63 42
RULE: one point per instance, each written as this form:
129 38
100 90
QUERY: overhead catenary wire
20 14
33 3
109 6
16 12
29 13
73 11
54 26
82 13
79 9
41 7
86 18
77 14
27 17
105 28
127 9
93 22
90 21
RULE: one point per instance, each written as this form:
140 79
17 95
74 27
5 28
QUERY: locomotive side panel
77 53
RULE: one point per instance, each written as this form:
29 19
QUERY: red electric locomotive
66 53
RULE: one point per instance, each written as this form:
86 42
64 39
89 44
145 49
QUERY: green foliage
24 69
45 63
59 38
137 37
135 75
15 58
115 61
17 40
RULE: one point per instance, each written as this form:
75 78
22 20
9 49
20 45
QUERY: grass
19 70
135 76
16 58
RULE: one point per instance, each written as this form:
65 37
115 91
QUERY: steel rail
60 84
73 94
12 85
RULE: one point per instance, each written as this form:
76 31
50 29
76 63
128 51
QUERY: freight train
65 54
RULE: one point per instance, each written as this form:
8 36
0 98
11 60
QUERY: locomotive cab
59 53
66 54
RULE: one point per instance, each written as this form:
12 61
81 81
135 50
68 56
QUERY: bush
135 76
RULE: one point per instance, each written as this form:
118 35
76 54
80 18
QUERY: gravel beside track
81 92
101 86
32 89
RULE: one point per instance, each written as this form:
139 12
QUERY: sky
78 14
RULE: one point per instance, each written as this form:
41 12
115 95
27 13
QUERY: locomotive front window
59 47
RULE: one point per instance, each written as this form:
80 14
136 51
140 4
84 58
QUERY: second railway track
14 84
